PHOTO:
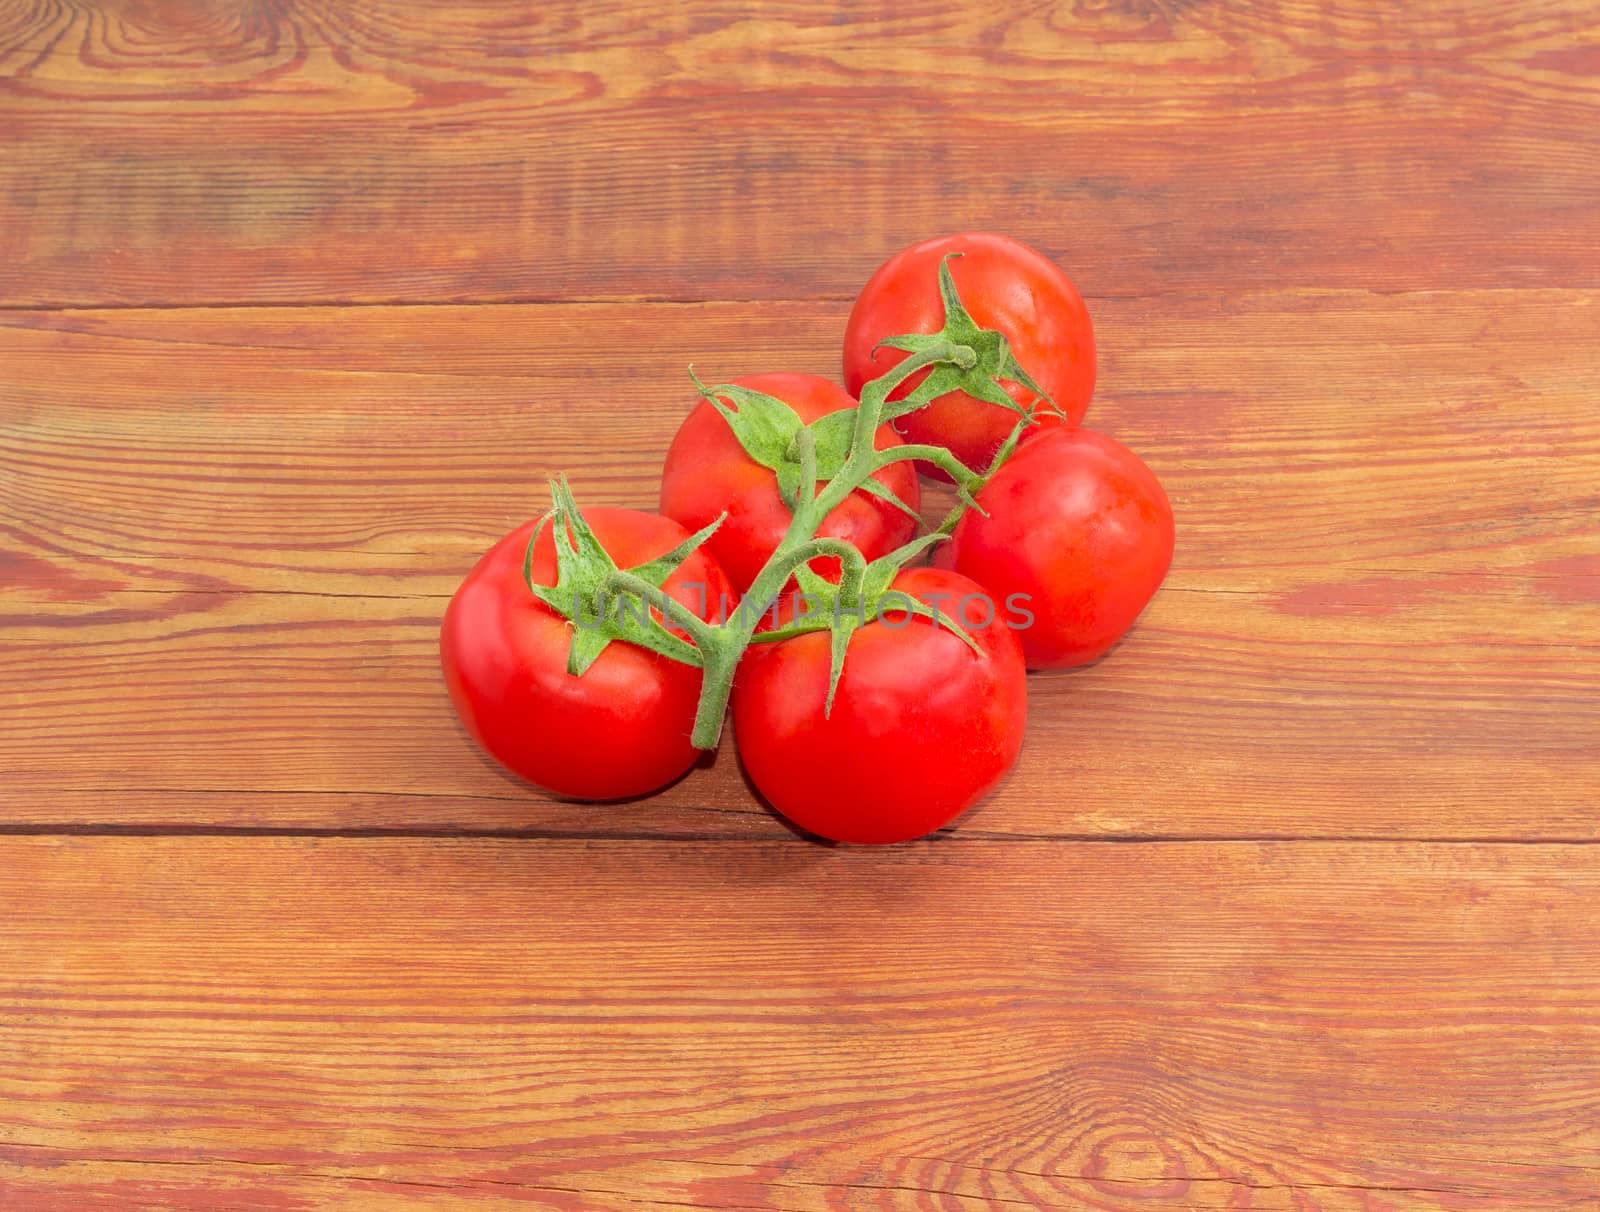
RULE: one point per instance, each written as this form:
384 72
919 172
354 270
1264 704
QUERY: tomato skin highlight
1004 285
707 471
1082 527
921 728
619 731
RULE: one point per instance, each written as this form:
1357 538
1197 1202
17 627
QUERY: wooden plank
1384 617
313 1023
690 151
345 445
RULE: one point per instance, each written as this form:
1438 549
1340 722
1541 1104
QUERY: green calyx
606 603
774 436
992 364
862 596
817 467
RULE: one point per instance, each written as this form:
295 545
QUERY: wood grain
1383 620
291 1023
1291 902
393 151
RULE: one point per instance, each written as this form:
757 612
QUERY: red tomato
707 471
1079 526
620 730
1004 285
921 728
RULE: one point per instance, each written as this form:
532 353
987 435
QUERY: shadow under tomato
516 782
821 843
944 833
1094 664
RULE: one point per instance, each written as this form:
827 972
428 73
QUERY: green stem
941 458
863 459
806 443
718 647
722 645
624 582
975 485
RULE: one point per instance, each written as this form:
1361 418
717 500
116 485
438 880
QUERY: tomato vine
818 466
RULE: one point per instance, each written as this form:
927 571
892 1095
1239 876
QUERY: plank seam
1312 289
966 837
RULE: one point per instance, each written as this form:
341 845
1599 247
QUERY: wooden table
1292 903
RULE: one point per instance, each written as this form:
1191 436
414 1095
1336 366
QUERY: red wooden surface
1290 903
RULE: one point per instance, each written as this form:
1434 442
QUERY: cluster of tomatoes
876 671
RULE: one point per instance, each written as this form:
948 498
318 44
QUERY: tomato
707 471
619 730
921 726
1004 285
1082 528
